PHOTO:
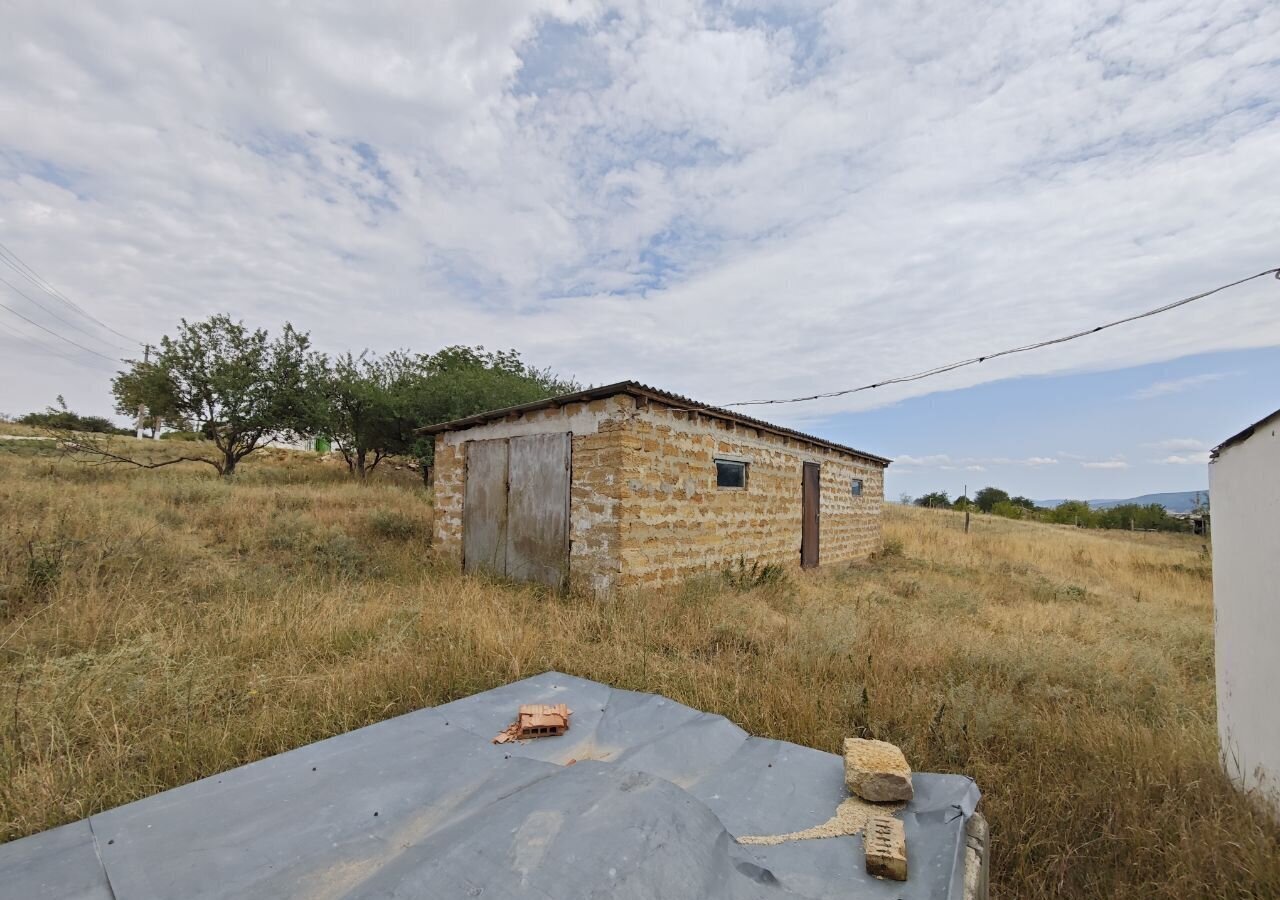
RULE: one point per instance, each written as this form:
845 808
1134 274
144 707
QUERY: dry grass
157 627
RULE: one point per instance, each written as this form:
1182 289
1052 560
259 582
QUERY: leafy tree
934 499
238 386
371 406
1009 510
146 385
1073 512
374 405
962 503
1024 502
905 499
463 381
988 497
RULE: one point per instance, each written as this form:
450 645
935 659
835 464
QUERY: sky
731 200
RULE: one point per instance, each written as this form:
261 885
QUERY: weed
44 569
892 548
340 553
742 576
392 524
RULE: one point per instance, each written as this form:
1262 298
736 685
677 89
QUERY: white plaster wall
579 418
1244 488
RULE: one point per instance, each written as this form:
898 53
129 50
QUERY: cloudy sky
733 200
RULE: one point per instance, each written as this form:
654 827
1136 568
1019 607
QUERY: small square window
731 473
856 486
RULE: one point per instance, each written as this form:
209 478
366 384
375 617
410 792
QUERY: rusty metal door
811 504
484 508
538 509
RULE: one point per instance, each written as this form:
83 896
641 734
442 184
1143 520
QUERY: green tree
463 381
962 503
1073 512
237 385
146 385
371 406
1024 502
1008 510
934 499
988 497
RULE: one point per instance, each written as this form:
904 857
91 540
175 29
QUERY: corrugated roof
424 805
1240 436
636 389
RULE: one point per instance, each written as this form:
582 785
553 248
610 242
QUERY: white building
1244 482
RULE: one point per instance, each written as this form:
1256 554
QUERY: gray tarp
425 806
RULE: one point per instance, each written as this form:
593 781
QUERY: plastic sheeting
425 806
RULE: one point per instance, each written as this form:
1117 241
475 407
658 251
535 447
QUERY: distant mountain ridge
1173 501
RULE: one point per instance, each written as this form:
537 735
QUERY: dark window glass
857 487
731 474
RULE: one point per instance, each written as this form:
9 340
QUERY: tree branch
70 443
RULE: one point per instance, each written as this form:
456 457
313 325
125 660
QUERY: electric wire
13 261
110 359
34 301
36 342
972 361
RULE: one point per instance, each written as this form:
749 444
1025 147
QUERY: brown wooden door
811 503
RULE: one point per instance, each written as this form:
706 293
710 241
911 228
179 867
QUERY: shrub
44 569
338 552
744 577
392 524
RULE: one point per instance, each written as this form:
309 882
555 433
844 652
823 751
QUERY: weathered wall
644 506
675 522
1244 485
593 491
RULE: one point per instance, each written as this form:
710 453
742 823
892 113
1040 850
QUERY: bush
338 552
65 420
182 436
392 524
744 577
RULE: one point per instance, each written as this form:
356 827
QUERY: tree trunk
228 464
361 471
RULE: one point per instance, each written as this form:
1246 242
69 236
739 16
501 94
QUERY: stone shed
625 485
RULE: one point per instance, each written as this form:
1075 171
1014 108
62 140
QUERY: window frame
729 461
855 486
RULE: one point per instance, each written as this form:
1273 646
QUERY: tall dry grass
161 626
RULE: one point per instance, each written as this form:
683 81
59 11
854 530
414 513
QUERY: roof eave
636 389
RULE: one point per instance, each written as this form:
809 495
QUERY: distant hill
1174 501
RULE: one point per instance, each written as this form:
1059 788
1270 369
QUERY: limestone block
885 841
876 771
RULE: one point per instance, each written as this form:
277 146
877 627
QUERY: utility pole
966 509
142 409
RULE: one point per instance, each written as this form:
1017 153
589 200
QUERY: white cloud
1196 459
806 196
973 464
937 459
1180 444
1176 385
1106 464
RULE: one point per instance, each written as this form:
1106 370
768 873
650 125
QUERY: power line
36 302
13 261
36 342
960 364
110 359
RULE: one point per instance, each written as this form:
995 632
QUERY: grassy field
156 627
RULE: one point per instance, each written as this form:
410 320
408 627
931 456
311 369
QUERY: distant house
1244 481
626 485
